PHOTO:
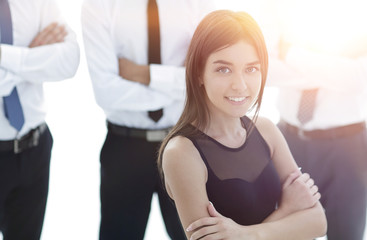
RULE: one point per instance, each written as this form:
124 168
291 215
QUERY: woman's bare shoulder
182 164
269 131
264 124
180 152
179 145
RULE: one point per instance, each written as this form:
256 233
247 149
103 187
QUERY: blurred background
78 128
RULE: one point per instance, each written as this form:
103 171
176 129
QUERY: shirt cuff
8 81
11 57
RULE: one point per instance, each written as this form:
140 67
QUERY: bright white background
78 128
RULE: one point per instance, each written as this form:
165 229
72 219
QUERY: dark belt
31 139
148 135
330 133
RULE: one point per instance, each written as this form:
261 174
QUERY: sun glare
337 27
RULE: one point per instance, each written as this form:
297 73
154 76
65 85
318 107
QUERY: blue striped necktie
12 107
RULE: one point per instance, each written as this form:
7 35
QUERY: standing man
136 52
36 47
320 67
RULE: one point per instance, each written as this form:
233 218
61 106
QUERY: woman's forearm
305 224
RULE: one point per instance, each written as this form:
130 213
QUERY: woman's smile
238 100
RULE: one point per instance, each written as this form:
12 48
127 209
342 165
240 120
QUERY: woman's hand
218 227
298 193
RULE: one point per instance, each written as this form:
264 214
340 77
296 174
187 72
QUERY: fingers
206 233
314 189
315 193
202 222
53 33
304 177
212 211
317 196
310 184
291 178
38 40
46 34
308 181
56 35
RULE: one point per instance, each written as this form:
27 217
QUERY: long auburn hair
219 29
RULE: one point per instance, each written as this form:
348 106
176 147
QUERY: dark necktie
154 48
307 105
12 107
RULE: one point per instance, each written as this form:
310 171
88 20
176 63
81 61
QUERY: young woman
232 177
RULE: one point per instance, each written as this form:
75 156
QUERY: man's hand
53 33
134 72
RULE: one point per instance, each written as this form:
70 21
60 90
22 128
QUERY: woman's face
232 80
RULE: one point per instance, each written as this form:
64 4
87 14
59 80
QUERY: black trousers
129 177
24 181
338 167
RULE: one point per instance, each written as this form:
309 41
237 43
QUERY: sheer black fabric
242 182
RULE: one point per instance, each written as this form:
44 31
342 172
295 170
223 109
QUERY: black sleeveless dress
242 182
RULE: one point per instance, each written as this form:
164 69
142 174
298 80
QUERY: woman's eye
224 70
252 69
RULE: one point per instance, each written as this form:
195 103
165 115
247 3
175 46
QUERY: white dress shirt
328 51
118 29
27 68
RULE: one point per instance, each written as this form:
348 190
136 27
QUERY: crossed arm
53 33
299 215
134 72
42 60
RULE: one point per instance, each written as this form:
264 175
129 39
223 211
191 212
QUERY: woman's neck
229 131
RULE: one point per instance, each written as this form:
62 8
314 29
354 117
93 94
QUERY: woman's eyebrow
222 62
257 62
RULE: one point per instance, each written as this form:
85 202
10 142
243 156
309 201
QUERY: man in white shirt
319 63
131 89
36 47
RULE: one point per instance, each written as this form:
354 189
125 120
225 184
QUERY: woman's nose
239 83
